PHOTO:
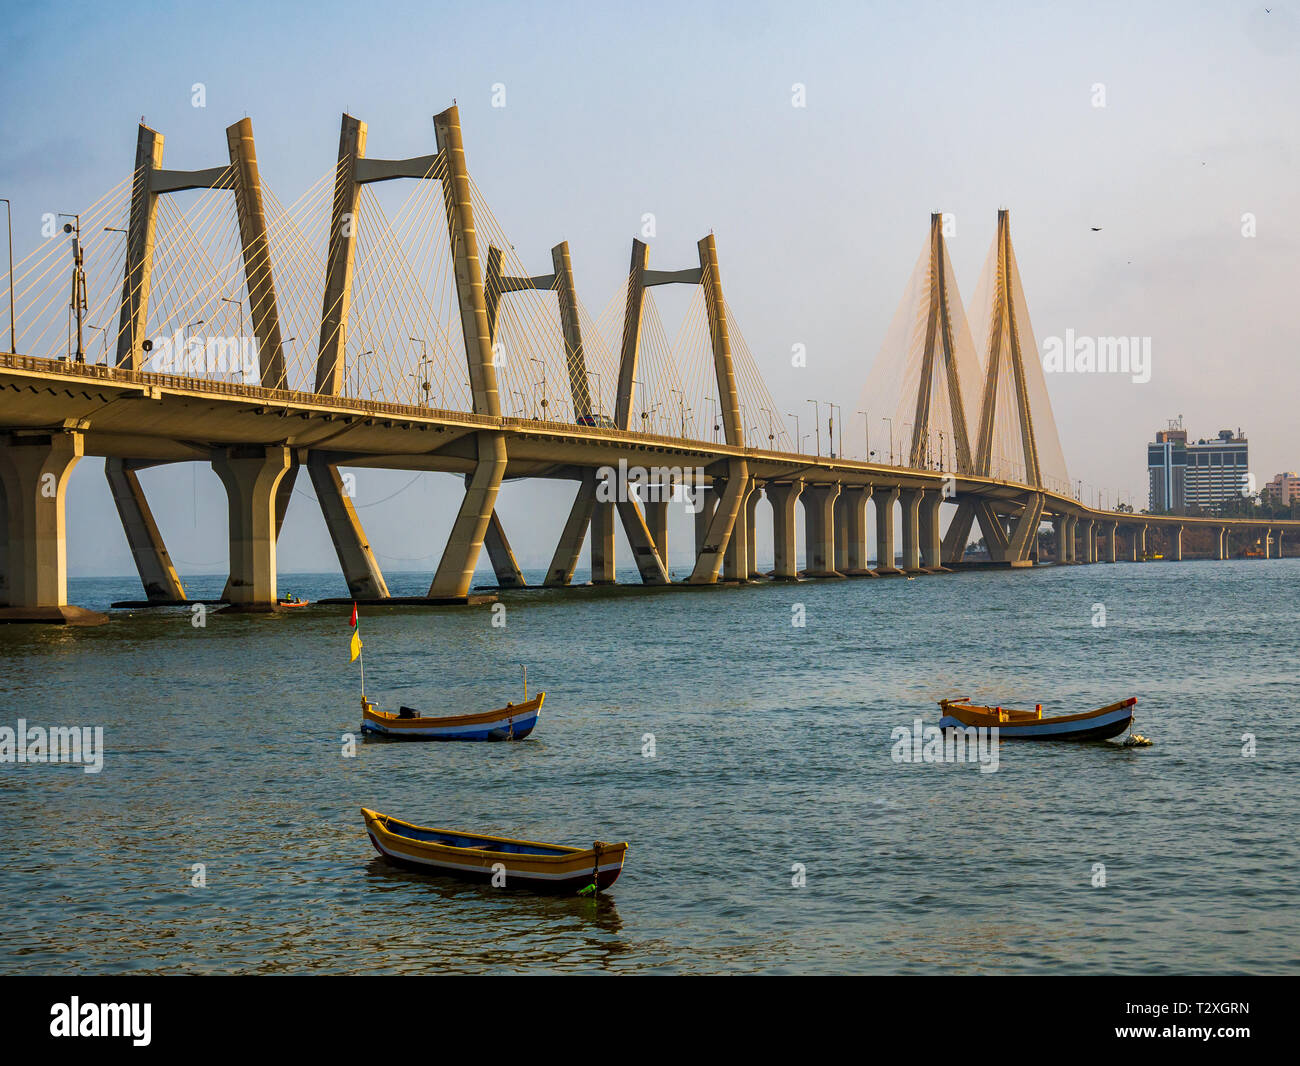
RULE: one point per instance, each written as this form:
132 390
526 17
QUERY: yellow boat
1101 724
499 861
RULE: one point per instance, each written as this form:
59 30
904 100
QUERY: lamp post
817 423
356 374
798 440
681 404
104 331
891 439
830 426
228 300
422 374
78 277
866 428
539 362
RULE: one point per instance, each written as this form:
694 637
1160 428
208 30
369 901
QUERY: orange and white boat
1101 724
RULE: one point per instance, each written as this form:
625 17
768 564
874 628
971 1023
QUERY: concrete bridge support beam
455 573
1268 544
784 496
1139 543
721 522
360 568
910 503
602 544
1061 526
1221 548
1089 541
34 471
568 550
819 526
841 534
708 502
153 563
504 564
928 523
1111 529
736 564
1176 545
751 529
656 521
959 531
855 499
252 477
648 562
885 554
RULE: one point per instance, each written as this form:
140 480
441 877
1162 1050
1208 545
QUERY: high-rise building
1196 475
1283 489
1166 467
1217 471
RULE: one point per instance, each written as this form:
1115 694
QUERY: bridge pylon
1011 382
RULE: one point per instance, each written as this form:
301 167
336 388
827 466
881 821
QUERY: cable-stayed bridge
201 319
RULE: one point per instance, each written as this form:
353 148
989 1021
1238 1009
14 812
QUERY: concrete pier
784 497
252 477
34 471
884 498
819 530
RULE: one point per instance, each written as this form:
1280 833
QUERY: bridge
338 336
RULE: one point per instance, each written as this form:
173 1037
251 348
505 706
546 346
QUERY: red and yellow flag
356 636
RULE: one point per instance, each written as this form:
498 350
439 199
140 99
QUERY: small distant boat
293 601
1101 724
501 861
514 721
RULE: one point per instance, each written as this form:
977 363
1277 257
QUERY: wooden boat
500 861
1101 724
514 721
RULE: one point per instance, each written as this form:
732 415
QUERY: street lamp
798 440
356 376
891 439
817 422
104 331
422 374
681 404
228 300
539 362
866 428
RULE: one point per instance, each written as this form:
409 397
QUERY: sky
1128 219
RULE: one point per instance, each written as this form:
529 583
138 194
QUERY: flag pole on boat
525 666
356 653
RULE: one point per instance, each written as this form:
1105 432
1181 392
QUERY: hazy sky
685 110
